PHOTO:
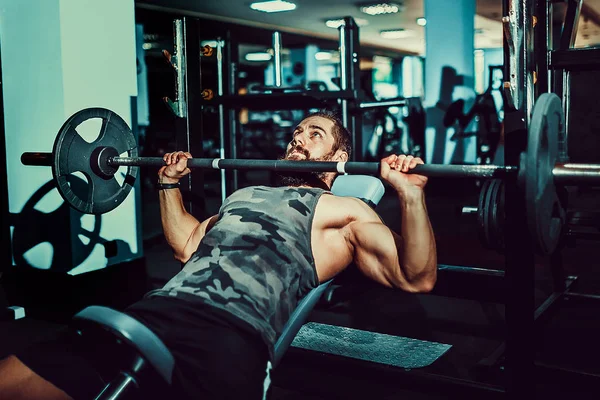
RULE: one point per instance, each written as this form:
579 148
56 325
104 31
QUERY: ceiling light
421 21
381 8
397 34
336 23
323 56
262 56
273 6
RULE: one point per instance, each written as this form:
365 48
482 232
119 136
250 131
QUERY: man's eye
317 133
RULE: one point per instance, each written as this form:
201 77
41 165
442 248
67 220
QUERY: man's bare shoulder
355 208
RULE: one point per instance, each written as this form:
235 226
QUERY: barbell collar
576 174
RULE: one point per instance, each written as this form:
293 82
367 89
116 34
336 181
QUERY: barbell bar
576 174
564 174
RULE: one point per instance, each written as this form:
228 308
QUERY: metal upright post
180 85
277 58
547 81
519 256
230 72
543 44
222 114
350 80
189 133
567 40
569 31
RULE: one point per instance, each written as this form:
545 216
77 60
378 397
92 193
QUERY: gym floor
474 327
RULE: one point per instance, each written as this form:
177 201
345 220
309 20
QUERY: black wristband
161 186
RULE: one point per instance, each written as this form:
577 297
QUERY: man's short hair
342 136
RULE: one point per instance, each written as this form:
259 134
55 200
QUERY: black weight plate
489 205
497 215
546 140
72 154
482 211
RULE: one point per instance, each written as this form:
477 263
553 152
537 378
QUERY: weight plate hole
81 188
89 129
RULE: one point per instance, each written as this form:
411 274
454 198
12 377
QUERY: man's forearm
178 225
418 258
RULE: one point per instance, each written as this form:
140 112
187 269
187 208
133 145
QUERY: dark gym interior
515 304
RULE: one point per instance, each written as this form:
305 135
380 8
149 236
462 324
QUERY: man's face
312 140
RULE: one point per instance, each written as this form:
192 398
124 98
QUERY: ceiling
310 15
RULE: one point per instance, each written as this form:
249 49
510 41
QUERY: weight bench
149 353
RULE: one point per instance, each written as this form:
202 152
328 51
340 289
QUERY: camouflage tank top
256 262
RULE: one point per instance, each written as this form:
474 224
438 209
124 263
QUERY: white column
449 72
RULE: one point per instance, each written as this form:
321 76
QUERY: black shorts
216 355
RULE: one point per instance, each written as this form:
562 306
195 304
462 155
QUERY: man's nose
298 140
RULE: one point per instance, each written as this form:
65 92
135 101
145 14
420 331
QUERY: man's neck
322 185
313 183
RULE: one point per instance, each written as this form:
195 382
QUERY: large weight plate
73 154
497 214
545 147
482 214
490 214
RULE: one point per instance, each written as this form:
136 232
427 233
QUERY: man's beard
294 178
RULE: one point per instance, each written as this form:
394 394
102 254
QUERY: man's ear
341 155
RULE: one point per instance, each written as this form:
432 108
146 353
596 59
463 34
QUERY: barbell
542 166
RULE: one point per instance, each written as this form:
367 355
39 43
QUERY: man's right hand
176 167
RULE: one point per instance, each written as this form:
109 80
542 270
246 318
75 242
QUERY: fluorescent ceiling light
336 23
258 56
421 21
273 6
381 8
397 34
323 56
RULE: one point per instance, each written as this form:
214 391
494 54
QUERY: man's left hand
393 170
